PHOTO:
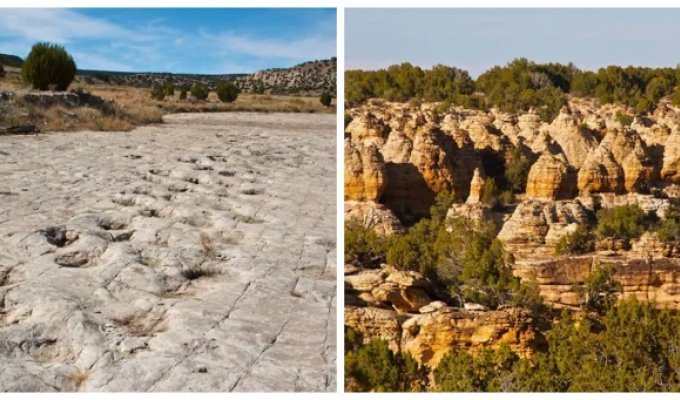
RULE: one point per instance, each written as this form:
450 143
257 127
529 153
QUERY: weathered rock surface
600 173
536 226
197 255
550 178
650 279
374 216
406 316
365 175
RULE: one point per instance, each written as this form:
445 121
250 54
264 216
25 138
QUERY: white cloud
298 49
56 25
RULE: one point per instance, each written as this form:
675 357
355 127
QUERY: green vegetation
199 91
460 254
326 99
157 92
631 347
622 222
517 86
169 89
227 92
48 65
183 93
669 229
624 119
517 171
599 291
373 366
580 241
2 71
363 247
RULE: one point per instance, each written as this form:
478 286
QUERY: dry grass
134 107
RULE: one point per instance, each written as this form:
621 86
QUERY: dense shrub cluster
639 88
48 65
2 71
405 81
374 367
227 92
623 222
157 92
517 86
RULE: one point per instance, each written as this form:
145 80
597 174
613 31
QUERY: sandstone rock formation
407 317
550 178
600 173
536 226
374 216
365 175
476 186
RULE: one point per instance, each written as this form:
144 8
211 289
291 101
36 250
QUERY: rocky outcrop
574 141
550 178
649 279
476 186
398 307
405 291
535 227
367 129
364 172
600 173
430 336
374 216
435 164
670 171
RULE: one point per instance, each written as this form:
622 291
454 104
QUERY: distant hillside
10 60
309 78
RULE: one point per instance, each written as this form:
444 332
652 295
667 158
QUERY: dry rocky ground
196 255
399 156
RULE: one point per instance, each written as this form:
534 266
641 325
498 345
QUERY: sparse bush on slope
48 65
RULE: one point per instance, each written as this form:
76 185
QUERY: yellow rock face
550 178
364 172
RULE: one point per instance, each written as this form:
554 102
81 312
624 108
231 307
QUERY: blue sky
477 39
210 41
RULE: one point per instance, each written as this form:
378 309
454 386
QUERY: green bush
227 92
622 222
2 71
48 65
374 367
459 371
157 92
600 290
490 191
199 91
517 170
326 99
169 89
183 93
580 241
669 229
624 119
363 247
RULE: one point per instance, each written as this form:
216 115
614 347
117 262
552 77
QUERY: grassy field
131 107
